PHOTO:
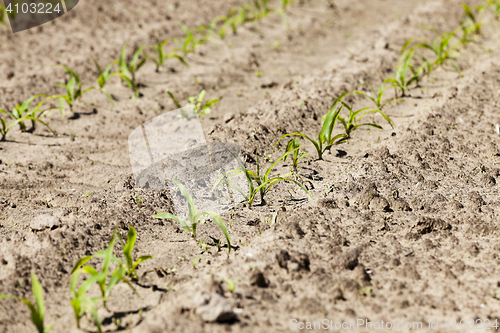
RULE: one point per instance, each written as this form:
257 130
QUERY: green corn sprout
400 78
104 76
205 34
74 90
262 8
195 218
199 105
325 138
23 110
496 7
293 146
161 56
222 29
38 311
81 303
189 43
235 17
176 102
128 70
471 15
119 274
264 182
20 114
231 284
443 48
352 122
4 19
377 100
128 247
196 103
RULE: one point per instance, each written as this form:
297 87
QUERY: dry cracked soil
402 224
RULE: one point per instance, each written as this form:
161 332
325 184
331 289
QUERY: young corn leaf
264 182
38 311
325 137
377 100
104 76
80 303
189 42
193 217
128 70
399 80
127 253
355 117
5 128
73 88
161 56
294 146
217 219
174 99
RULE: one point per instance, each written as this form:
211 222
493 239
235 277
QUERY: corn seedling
104 76
352 122
20 111
264 181
293 146
74 90
261 9
325 138
444 48
195 261
128 70
4 129
161 56
231 284
205 247
400 78
195 218
172 97
471 17
195 103
377 100
4 19
215 22
139 202
38 310
119 274
189 43
128 247
496 7
81 303
198 104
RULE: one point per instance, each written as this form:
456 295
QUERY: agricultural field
369 133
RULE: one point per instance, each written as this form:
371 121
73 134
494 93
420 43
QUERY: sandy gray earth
402 225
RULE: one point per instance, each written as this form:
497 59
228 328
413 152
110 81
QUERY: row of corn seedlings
258 182
421 56
128 66
413 64
325 139
113 271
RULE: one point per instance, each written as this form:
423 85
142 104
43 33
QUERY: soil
402 225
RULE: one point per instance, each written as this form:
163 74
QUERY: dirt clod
213 307
427 225
258 279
